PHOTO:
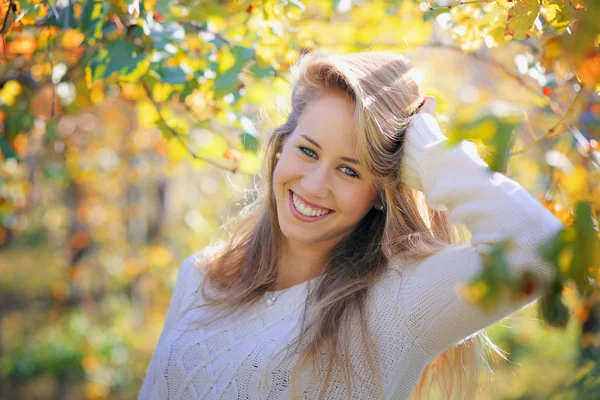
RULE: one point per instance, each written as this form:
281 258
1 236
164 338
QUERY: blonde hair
386 92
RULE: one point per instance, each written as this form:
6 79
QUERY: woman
341 278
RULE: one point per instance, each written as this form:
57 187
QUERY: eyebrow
348 159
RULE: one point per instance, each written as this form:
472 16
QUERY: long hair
386 92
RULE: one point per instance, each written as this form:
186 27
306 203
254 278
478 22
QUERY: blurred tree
85 85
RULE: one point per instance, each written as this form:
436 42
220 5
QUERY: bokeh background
131 131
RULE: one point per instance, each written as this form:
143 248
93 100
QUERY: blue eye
305 150
354 174
302 149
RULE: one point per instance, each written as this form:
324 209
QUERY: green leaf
51 129
18 118
188 88
586 252
551 249
120 57
172 75
262 72
431 14
249 142
495 274
165 34
6 150
496 133
228 81
92 17
63 18
552 309
502 142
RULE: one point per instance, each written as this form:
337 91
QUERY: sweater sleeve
492 207
174 307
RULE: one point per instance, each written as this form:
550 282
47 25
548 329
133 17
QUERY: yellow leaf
250 163
97 94
505 3
266 55
575 182
159 256
96 390
140 70
161 91
90 363
176 151
200 104
72 39
521 18
88 77
210 146
146 114
559 13
226 59
564 259
61 290
9 93
131 91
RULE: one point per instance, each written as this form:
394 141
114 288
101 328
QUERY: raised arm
492 207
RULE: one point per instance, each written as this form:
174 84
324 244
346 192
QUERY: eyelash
302 148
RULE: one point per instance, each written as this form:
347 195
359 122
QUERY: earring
278 155
380 208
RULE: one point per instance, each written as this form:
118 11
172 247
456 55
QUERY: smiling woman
315 165
340 279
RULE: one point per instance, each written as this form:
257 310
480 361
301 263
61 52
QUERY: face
319 166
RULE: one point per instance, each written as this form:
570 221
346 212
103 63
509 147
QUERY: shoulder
196 263
192 270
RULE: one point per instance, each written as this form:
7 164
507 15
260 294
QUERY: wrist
428 129
422 134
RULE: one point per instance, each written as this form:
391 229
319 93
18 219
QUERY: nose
315 183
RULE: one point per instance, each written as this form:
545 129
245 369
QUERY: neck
300 262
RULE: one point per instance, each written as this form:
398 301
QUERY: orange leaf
23 45
72 39
589 70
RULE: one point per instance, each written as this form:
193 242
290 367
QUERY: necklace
271 300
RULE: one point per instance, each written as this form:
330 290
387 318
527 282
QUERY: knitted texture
413 313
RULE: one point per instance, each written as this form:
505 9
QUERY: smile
304 212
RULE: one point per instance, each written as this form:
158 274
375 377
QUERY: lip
301 217
309 203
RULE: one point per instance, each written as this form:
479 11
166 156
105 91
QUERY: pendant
270 301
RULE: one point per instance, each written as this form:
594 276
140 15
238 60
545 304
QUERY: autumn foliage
125 127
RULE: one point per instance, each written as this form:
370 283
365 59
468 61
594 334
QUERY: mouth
304 213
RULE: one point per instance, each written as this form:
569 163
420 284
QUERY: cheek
356 200
282 174
286 170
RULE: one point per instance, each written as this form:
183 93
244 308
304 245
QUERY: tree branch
552 130
178 136
459 3
488 61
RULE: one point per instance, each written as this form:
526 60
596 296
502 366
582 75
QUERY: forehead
330 121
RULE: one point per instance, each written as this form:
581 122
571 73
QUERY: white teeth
306 210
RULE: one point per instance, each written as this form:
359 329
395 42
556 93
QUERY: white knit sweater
413 318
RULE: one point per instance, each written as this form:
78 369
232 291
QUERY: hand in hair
422 133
